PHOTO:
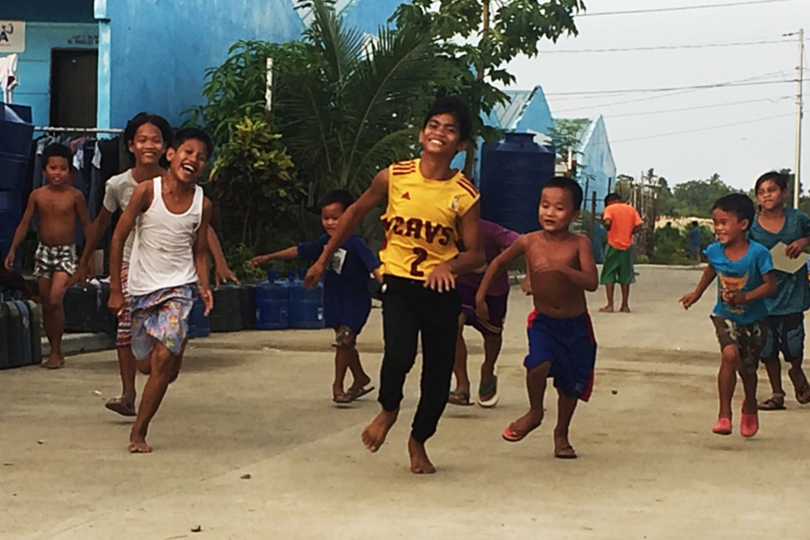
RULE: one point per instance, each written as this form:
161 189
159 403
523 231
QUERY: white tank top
163 251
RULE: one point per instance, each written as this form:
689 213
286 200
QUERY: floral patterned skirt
161 316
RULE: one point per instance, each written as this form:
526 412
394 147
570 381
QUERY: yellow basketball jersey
421 220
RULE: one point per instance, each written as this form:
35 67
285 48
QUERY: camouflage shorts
345 337
749 339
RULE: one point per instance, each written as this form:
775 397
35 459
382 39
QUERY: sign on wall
12 37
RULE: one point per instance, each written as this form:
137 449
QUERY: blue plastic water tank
306 306
16 134
272 303
198 323
10 215
513 173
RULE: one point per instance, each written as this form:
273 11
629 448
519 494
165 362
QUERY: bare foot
563 448
420 463
606 309
374 434
137 445
625 309
54 361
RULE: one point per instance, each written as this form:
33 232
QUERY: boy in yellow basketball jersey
430 208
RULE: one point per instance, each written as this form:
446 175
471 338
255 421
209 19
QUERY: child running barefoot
147 137
58 206
430 207
347 300
561 340
168 268
745 278
786 308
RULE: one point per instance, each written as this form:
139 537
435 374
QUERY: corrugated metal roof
510 114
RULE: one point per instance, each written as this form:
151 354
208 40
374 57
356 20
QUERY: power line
707 128
666 47
700 107
670 89
681 8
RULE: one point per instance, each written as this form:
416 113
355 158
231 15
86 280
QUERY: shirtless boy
58 204
430 207
168 268
561 340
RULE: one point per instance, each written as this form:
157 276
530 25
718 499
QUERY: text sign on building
12 37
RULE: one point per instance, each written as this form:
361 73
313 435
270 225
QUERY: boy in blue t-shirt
346 296
745 278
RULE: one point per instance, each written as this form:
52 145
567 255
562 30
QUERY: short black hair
142 118
569 185
341 196
612 197
460 111
193 133
695 224
738 204
57 150
780 179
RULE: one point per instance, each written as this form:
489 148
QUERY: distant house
95 63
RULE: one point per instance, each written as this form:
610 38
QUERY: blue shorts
785 335
570 346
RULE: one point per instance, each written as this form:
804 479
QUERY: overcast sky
764 138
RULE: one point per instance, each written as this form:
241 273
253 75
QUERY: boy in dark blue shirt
347 299
745 278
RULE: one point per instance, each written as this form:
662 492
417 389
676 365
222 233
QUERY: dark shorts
749 339
785 335
497 310
570 346
618 266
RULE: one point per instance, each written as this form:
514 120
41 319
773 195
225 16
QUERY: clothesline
53 129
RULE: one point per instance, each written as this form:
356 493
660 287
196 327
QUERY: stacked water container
16 134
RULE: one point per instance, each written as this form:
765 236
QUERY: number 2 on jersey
421 256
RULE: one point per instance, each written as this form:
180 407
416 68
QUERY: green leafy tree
566 136
696 197
479 37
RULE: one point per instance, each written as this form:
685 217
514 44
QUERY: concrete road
258 404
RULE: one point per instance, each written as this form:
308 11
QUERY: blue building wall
34 64
47 10
596 168
369 15
159 50
536 116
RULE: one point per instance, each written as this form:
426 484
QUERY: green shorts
618 266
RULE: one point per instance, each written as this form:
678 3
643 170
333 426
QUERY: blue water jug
198 323
272 303
306 306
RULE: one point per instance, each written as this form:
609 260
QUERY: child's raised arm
22 229
289 253
689 299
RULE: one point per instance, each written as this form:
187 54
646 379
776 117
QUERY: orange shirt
623 219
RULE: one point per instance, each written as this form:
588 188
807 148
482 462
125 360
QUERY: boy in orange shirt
622 222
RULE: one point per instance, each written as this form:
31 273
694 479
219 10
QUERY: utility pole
797 167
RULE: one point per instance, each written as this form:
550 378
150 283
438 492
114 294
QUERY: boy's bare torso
554 294
57 215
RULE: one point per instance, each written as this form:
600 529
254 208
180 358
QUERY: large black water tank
16 134
513 172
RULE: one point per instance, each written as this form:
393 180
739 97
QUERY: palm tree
358 105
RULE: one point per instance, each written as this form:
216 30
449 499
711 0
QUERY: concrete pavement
257 404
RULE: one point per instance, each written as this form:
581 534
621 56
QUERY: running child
346 296
745 278
786 308
147 136
496 239
168 269
622 222
430 208
58 205
561 339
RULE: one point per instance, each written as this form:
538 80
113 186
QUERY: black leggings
408 310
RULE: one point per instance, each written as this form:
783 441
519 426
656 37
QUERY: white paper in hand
781 261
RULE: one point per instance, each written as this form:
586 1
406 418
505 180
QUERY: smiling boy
430 207
168 269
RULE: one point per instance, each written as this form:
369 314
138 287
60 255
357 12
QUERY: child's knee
730 355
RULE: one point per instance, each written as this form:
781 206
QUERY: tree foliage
477 38
566 135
